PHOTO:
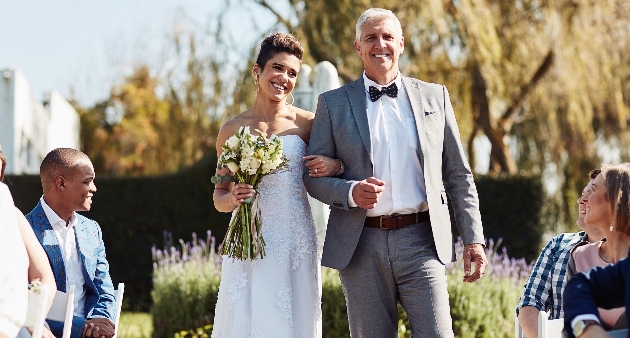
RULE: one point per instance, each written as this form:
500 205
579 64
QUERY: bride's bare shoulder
303 115
230 127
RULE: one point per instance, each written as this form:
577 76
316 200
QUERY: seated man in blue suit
606 287
74 243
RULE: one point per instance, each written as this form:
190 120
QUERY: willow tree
544 81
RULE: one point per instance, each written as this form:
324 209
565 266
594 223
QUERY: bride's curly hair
278 43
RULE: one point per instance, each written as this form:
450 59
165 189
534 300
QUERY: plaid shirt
548 278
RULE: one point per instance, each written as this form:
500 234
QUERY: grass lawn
135 325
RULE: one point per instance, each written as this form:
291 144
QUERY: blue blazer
606 287
99 302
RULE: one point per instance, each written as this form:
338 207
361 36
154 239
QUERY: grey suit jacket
341 130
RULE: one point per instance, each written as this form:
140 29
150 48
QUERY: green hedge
510 209
135 212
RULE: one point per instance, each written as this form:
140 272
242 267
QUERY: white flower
36 285
233 167
232 142
254 163
244 164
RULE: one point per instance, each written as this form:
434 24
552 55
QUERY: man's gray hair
372 14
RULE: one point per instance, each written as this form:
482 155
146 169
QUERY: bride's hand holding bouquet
249 158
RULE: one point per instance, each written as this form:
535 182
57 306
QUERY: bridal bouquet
248 158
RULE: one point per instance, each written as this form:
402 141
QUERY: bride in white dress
279 295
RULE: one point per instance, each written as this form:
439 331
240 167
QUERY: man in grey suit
389 231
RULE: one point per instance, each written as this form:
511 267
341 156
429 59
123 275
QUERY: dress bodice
287 182
287 221
278 295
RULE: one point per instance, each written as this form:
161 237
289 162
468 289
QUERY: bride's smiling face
277 79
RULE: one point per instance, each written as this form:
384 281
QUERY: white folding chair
118 295
619 333
36 310
549 328
518 332
62 310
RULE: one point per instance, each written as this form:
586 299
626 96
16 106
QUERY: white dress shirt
395 143
68 245
13 268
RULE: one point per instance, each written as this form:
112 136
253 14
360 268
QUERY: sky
91 45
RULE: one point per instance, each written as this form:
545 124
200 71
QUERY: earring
256 83
292 99
611 228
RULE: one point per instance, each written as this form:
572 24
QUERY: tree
543 81
138 131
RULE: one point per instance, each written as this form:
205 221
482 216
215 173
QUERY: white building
30 128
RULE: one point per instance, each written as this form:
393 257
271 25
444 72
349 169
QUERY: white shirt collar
367 82
53 218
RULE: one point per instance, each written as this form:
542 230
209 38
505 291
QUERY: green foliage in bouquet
248 159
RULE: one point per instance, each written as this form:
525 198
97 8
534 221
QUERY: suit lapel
46 235
415 98
356 96
83 242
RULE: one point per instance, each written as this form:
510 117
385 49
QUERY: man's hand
98 328
366 192
474 253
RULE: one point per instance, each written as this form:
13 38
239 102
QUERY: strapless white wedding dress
277 296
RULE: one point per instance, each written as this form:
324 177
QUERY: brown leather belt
396 221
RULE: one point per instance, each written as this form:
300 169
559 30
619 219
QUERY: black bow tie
391 91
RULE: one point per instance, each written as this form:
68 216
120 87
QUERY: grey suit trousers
392 265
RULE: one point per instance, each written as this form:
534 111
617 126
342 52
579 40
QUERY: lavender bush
186 284
485 308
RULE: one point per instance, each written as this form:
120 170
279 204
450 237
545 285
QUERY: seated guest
13 271
616 244
38 267
601 287
543 291
74 243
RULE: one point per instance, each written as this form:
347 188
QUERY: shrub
186 283
186 287
511 209
486 308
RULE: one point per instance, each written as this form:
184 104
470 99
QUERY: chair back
62 310
118 295
35 311
549 328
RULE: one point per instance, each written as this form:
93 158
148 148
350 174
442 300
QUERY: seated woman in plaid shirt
543 291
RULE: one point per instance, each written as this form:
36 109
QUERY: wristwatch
581 325
342 168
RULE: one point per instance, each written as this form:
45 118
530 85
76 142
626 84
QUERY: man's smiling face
380 47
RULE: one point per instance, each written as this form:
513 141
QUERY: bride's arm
323 166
